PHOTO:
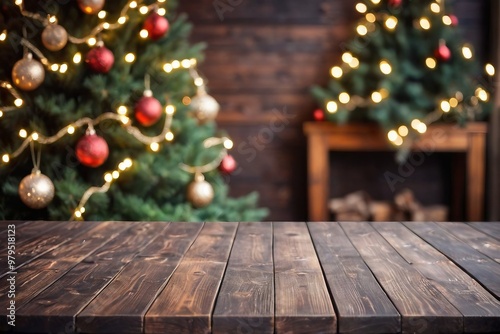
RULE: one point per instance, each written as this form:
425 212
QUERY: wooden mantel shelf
324 137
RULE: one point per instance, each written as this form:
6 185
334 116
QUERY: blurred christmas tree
405 69
104 116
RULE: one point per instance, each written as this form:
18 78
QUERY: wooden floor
128 277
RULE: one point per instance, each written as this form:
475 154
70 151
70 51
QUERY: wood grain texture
58 305
186 304
246 298
121 307
422 307
361 304
488 228
302 298
478 265
481 310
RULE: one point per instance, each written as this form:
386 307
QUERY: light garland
210 142
18 102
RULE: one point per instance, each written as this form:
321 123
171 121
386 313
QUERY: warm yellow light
403 131
122 166
125 120
375 2
167 68
155 147
5 158
82 209
447 20
186 100
77 58
122 20
435 7
354 62
122 110
344 98
482 95
78 214
370 17
347 57
228 144
391 22
385 67
490 69
415 123
144 33
332 107
193 61
169 136
186 63
431 63
176 64
376 97
91 41
133 4
161 11
144 10
362 30
361 7
63 68
467 52
19 2
398 141
115 174
23 133
52 19
35 136
129 57
170 109
384 92
3 36
198 82
445 106
18 102
337 72
453 102
1 114
128 162
54 67
71 129
422 128
102 14
105 25
392 135
425 23
108 177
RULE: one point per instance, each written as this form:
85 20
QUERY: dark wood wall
262 58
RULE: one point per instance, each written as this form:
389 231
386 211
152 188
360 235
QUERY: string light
122 110
445 106
161 11
228 144
376 97
91 41
144 10
435 8
361 7
482 94
403 131
63 68
102 14
425 23
431 63
23 133
3 36
332 107
422 128
129 57
133 4
362 30
77 58
453 102
370 17
391 22
122 20
6 158
344 98
354 62
347 57
143 33
337 72
415 123
198 82
169 136
467 52
490 69
186 63
170 110
392 135
18 102
447 20
375 2
71 129
385 67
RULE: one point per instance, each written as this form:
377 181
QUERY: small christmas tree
103 116
405 69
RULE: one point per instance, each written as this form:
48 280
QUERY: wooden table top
138 277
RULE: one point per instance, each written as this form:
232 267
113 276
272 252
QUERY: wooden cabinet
324 137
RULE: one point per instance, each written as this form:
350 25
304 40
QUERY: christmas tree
104 116
406 68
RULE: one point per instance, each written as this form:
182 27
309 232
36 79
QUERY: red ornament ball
148 110
92 150
319 115
100 59
442 53
228 165
156 26
454 20
395 3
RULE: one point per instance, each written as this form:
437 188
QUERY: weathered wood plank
480 309
17 223
57 306
186 304
478 265
246 299
36 240
120 308
361 304
39 274
302 298
488 228
422 307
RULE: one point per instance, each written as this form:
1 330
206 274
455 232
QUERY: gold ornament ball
28 73
36 190
205 107
91 6
200 193
54 37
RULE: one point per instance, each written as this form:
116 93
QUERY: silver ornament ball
54 37
200 193
36 190
205 107
28 73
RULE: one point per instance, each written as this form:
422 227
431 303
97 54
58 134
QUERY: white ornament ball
36 190
205 107
200 193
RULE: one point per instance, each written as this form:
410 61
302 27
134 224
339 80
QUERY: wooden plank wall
262 58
